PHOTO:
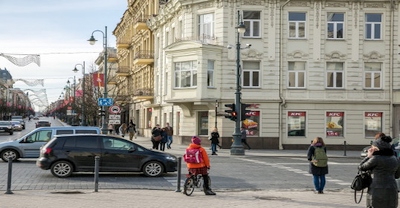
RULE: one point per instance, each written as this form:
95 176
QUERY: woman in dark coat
317 172
385 169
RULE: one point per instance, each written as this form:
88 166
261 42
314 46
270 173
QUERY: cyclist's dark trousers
206 182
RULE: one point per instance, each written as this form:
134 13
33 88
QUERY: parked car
65 154
6 126
28 146
42 123
17 126
395 147
19 118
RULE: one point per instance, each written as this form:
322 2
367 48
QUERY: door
120 155
32 144
82 150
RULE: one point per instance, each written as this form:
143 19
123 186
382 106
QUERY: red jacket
206 160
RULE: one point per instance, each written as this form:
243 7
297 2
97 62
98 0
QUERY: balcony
143 94
121 98
112 80
144 57
203 38
122 71
112 58
141 23
123 44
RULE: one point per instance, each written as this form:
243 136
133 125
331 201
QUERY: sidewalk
171 199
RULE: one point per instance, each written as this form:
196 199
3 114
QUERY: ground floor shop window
203 123
334 124
372 123
252 124
148 117
296 123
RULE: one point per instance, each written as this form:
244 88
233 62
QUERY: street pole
216 110
74 104
92 41
83 92
237 148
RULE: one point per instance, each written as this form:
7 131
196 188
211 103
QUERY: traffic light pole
237 148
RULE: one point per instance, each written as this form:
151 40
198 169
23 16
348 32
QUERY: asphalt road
255 171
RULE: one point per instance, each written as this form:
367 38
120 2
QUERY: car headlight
171 158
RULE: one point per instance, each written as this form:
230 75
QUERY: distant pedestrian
318 163
164 139
110 128
131 131
156 136
243 132
170 131
214 137
122 129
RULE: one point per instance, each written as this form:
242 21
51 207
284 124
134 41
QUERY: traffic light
102 112
232 115
245 114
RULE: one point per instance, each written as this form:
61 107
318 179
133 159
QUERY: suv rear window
81 142
60 132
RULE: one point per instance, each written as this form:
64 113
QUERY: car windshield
15 122
4 123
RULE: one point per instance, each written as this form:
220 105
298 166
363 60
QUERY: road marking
298 171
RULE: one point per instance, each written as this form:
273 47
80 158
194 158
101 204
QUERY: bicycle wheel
189 186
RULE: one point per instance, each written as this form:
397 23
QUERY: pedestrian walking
164 139
214 138
156 136
170 131
318 163
122 129
110 128
131 131
243 132
200 168
385 168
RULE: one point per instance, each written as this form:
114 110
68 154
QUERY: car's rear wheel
153 169
9 153
62 169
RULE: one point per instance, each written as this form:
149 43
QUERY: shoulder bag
362 180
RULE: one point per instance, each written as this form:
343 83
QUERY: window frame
178 73
297 24
372 28
332 125
251 75
250 25
303 127
335 24
335 79
203 32
372 115
372 72
296 72
210 73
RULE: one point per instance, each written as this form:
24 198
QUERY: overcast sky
58 30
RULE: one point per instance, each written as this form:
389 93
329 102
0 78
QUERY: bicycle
194 181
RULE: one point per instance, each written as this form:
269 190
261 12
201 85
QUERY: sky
58 31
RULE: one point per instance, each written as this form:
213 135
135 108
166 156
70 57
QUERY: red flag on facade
98 80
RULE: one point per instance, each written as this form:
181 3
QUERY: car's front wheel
153 169
9 153
62 169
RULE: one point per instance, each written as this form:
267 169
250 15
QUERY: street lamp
237 148
83 91
92 41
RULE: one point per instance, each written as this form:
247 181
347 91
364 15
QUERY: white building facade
314 68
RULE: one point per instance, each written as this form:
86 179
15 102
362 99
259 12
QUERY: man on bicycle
202 166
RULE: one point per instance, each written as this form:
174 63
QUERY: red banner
78 93
98 80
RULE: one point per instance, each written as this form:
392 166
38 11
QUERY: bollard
9 176
96 173
344 148
178 184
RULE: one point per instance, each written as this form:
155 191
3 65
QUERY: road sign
105 101
114 117
115 109
114 122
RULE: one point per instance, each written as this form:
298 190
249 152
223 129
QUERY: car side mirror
132 149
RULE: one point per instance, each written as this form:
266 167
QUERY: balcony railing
143 92
205 39
144 54
122 70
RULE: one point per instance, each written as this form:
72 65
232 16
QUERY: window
372 75
335 25
373 26
296 123
252 124
334 75
210 73
186 74
297 74
252 21
251 74
87 142
40 136
297 25
203 123
206 26
372 124
334 124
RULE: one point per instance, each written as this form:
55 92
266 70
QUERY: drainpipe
391 51
282 102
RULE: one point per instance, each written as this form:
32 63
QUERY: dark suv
65 154
6 126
